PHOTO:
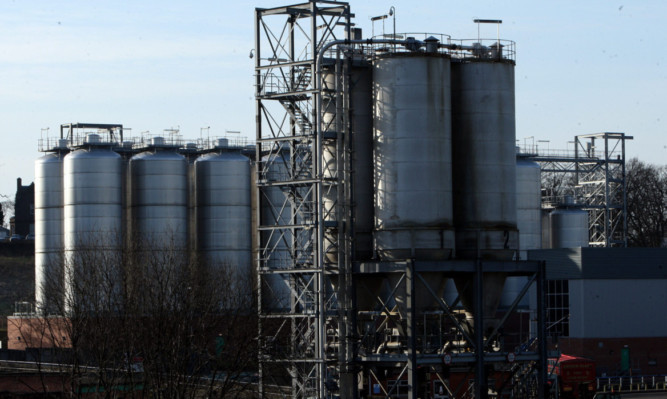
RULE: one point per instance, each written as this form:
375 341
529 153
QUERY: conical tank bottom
493 284
368 290
425 300
389 291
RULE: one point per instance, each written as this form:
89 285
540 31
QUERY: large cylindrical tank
484 163
360 117
159 198
412 161
92 231
569 226
528 205
49 244
484 172
274 253
529 222
546 228
223 217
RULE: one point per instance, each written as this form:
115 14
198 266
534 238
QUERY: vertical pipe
625 195
413 384
258 189
542 387
316 80
607 209
576 158
348 376
481 388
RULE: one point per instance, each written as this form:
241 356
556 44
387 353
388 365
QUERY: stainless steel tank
275 210
528 205
49 244
411 172
191 152
360 116
569 226
484 164
223 216
159 198
92 192
546 228
529 222
484 172
412 157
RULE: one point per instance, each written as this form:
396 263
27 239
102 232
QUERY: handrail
632 383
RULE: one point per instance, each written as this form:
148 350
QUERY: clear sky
582 67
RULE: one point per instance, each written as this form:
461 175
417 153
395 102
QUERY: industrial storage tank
159 197
92 185
411 171
275 210
484 169
412 161
528 205
483 152
546 227
529 222
223 215
569 225
191 152
360 93
49 228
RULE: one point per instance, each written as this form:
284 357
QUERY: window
558 308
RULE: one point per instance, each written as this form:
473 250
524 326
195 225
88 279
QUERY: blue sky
582 67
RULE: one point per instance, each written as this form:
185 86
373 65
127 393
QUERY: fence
631 384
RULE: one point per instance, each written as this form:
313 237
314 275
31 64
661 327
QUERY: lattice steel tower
301 212
600 177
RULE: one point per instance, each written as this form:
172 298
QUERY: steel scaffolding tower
597 171
300 166
602 186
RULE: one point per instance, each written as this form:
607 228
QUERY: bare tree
7 208
152 320
555 186
646 204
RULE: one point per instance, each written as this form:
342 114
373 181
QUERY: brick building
23 222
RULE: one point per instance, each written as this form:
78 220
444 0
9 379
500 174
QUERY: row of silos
444 166
445 175
432 161
443 161
93 200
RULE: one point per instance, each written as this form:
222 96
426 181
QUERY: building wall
36 332
618 308
648 356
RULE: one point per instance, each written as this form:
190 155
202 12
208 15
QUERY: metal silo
528 205
412 161
49 244
276 210
412 169
484 163
223 214
360 117
191 152
92 186
529 221
569 225
484 171
546 228
159 197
